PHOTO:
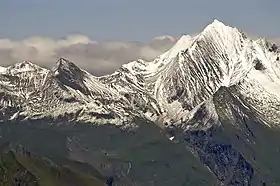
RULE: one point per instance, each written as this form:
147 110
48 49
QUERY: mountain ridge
163 83
212 93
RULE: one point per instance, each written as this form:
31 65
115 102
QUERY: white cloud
97 57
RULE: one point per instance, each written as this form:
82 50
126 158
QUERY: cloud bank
98 58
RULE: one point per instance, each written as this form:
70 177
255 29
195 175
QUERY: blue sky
133 20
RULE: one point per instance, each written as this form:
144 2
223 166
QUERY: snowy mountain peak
71 75
220 31
216 22
196 67
182 44
25 66
66 68
63 63
217 25
2 69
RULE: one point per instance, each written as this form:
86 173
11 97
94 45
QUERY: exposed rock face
226 162
70 75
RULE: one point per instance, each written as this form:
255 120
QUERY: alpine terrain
206 112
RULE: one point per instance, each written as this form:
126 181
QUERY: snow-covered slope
31 92
166 90
2 69
195 68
